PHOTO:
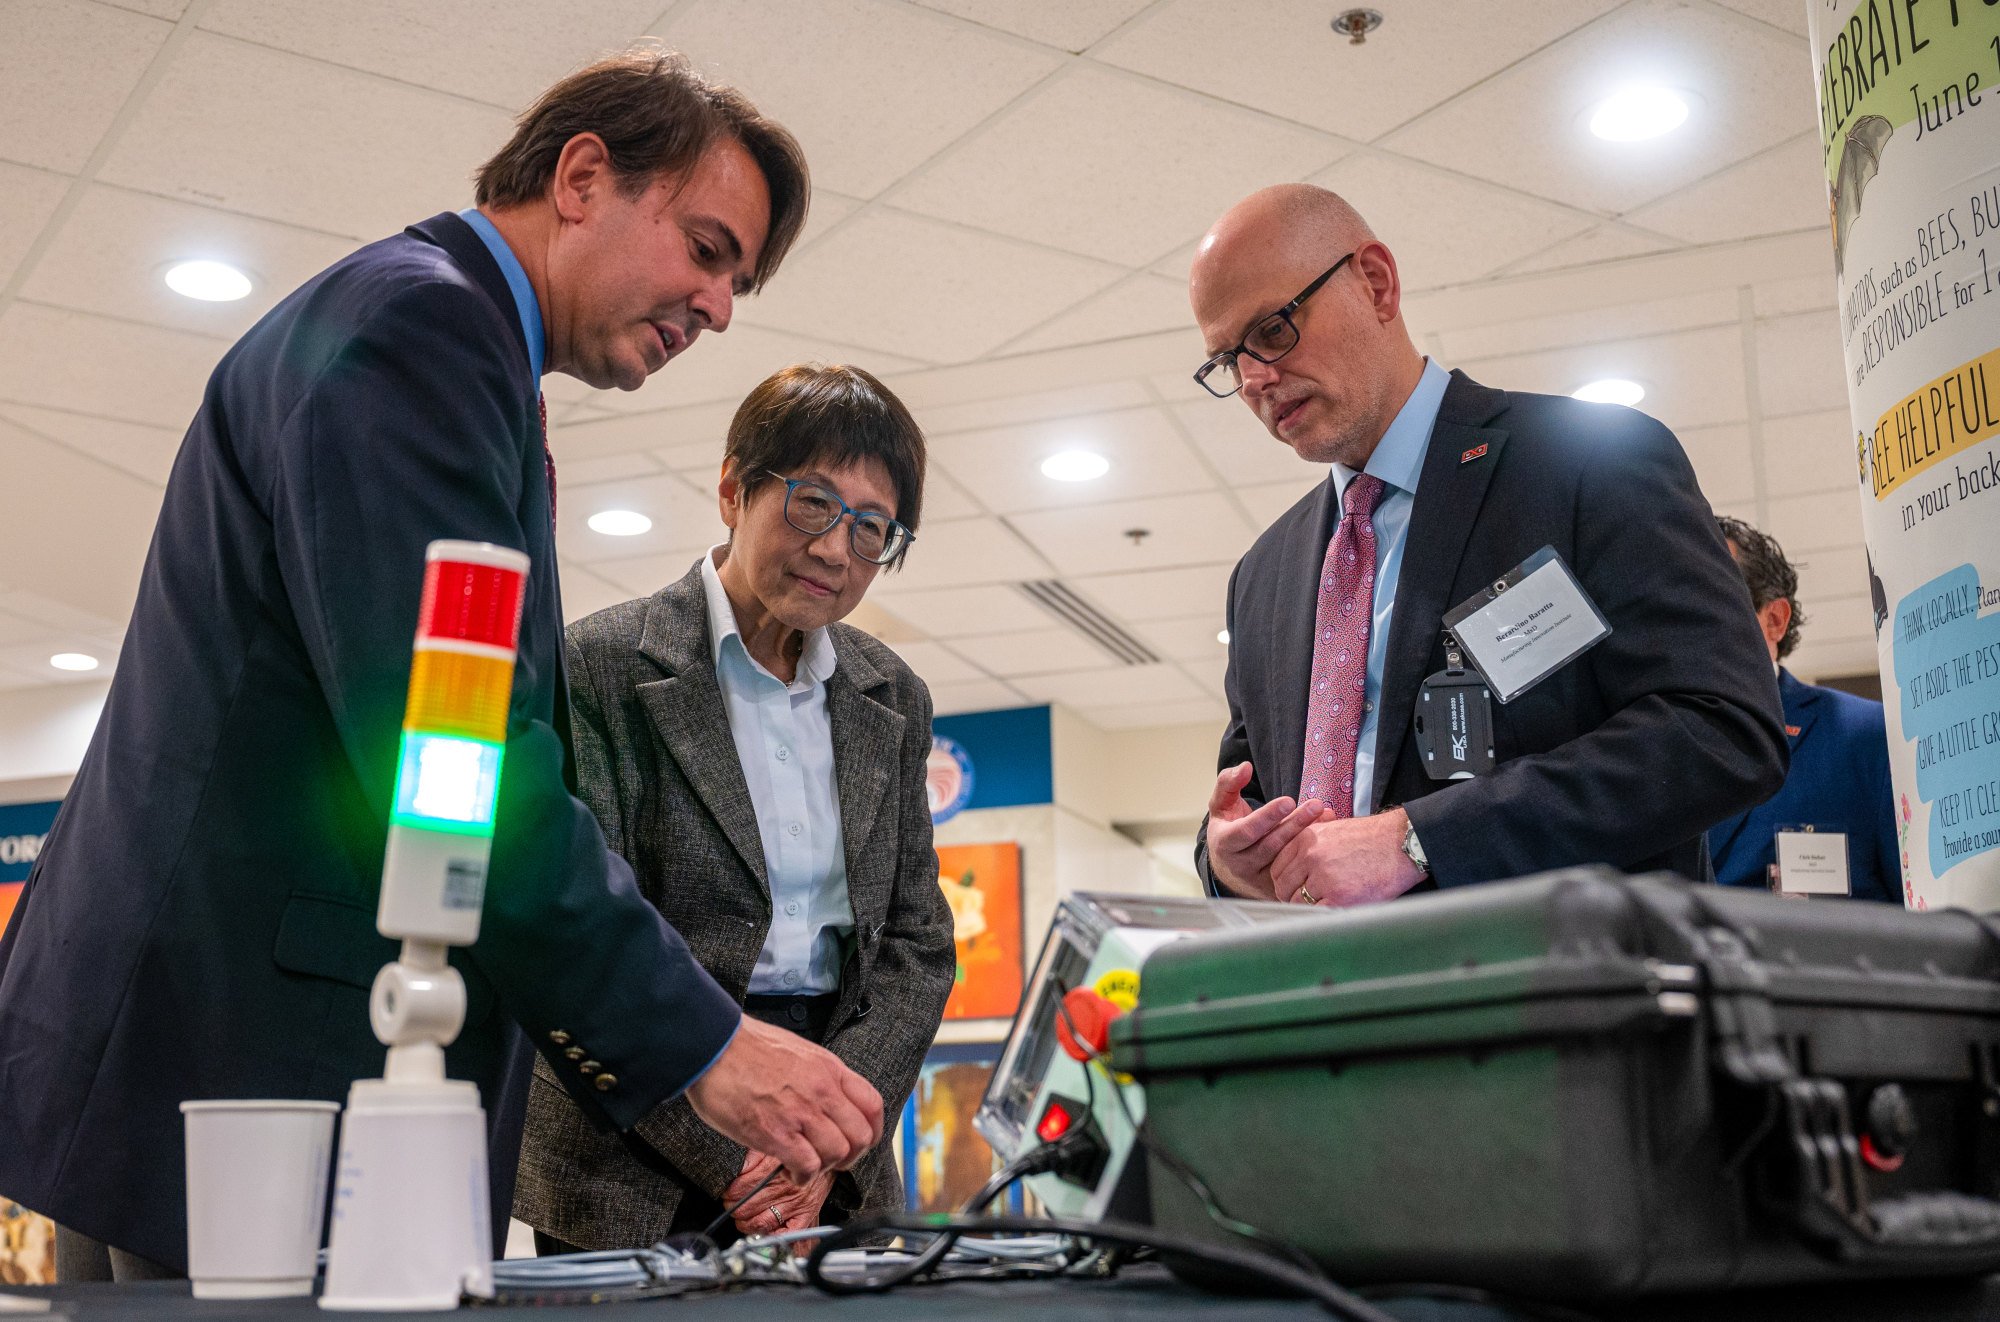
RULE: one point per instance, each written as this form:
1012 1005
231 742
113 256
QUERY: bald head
1334 391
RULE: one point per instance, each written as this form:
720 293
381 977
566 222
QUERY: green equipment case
1583 1085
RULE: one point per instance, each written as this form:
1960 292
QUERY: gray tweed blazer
656 763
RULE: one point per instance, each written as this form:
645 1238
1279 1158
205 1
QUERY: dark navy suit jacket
201 922
1623 756
1839 782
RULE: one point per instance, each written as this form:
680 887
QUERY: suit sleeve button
606 1082
574 1053
557 1036
588 1068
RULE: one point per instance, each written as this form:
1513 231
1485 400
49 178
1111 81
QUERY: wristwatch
1413 848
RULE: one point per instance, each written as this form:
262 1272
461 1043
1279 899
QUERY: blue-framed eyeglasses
815 511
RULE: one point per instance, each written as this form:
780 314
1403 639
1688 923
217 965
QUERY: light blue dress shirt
1399 461
525 304
785 744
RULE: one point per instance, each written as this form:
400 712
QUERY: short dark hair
657 116
1769 576
810 414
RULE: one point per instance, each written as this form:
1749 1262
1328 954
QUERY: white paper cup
256 1195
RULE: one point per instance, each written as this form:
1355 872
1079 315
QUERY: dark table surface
1140 1294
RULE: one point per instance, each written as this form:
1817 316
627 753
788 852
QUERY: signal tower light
412 1222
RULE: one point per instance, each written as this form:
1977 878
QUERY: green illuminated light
447 783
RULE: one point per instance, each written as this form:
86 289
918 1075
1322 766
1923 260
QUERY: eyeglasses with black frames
816 511
1270 339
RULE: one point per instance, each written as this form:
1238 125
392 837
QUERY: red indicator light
1054 1124
474 603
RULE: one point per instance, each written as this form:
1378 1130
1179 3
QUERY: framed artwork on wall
982 883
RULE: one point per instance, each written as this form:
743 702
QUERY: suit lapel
687 712
1449 495
1801 708
866 736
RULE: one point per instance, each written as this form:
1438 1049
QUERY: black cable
730 1215
1274 1271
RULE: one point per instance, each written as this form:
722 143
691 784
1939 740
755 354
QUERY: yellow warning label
1933 422
1121 988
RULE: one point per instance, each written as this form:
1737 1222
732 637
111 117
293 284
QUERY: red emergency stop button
1055 1122
1091 1014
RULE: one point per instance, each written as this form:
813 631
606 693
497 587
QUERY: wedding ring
1305 894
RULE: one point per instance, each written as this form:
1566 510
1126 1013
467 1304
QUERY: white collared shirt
785 743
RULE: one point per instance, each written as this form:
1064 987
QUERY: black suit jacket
201 922
659 767
1624 756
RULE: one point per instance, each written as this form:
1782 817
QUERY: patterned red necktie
1340 650
548 457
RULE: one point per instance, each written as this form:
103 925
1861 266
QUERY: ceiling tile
1112 167
960 612
1160 594
730 365
1187 639
1806 293
871 89
937 664
1281 55
1208 671
1041 651
681 517
66 360
1137 305
1788 15
1722 461
84 556
974 695
963 552
1800 366
269 134
1607 243
113 251
1692 378
144 452
1270 500
941 419
28 198
171 10
1071 25
1181 530
925 289
584 593
1833 572
1003 465
1714 307
1236 442
66 68
499 53
643 575
605 468
1112 686
1805 525
1782 189
1527 127
661 432
1810 452
1421 214
1843 617
1146 715
945 499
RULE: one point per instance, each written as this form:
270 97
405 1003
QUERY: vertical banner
1909 116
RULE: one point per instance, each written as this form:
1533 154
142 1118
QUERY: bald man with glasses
1441 496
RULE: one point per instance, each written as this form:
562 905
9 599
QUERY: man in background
1839 781
1437 488
201 922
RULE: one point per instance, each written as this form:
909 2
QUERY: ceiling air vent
1059 600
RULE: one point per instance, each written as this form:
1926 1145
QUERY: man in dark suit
1839 780
201 921
1440 486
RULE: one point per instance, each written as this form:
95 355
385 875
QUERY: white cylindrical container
256 1195
412 1222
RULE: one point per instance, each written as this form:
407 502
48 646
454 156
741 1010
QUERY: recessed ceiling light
620 523
211 282
1223 638
73 661
1633 114
1611 390
1075 466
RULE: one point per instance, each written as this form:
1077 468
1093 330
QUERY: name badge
1812 862
1534 620
1454 721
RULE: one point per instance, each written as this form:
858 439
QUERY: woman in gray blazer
761 766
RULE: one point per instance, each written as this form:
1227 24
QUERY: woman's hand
780 1205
